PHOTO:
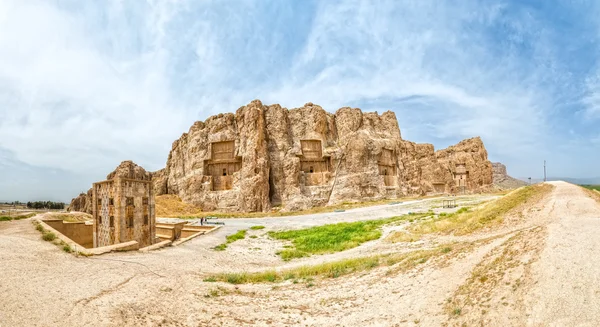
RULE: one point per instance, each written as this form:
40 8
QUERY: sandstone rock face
501 178
265 156
127 169
82 203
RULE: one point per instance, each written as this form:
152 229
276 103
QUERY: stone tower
123 211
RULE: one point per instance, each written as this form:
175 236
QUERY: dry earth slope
540 268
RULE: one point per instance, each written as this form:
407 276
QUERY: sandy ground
539 269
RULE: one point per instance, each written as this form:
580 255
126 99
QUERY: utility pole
544 170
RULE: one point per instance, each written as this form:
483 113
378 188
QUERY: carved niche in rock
222 165
313 164
461 176
387 167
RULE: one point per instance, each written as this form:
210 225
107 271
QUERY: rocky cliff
127 169
264 156
501 178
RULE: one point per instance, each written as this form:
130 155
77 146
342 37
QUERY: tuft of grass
253 236
289 254
210 280
67 248
257 227
334 237
335 269
48 236
446 249
39 227
240 235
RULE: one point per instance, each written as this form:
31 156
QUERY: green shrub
257 227
48 236
67 248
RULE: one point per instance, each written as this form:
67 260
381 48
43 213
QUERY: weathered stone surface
264 156
82 203
502 180
127 169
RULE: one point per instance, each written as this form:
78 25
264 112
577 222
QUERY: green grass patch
240 235
398 261
17 217
334 237
466 221
257 227
591 187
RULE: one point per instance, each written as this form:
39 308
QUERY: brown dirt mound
170 205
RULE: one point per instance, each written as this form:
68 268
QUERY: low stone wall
188 231
127 246
79 232
169 231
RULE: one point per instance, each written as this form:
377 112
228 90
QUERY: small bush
210 280
49 236
39 227
220 247
67 248
257 227
253 236
5 218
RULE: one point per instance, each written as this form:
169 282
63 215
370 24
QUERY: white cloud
84 85
76 96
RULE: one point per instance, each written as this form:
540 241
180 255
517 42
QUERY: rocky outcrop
127 169
264 156
502 180
82 203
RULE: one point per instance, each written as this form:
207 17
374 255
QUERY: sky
85 85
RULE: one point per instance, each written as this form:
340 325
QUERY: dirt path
567 275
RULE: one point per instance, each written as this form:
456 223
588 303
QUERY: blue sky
87 84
